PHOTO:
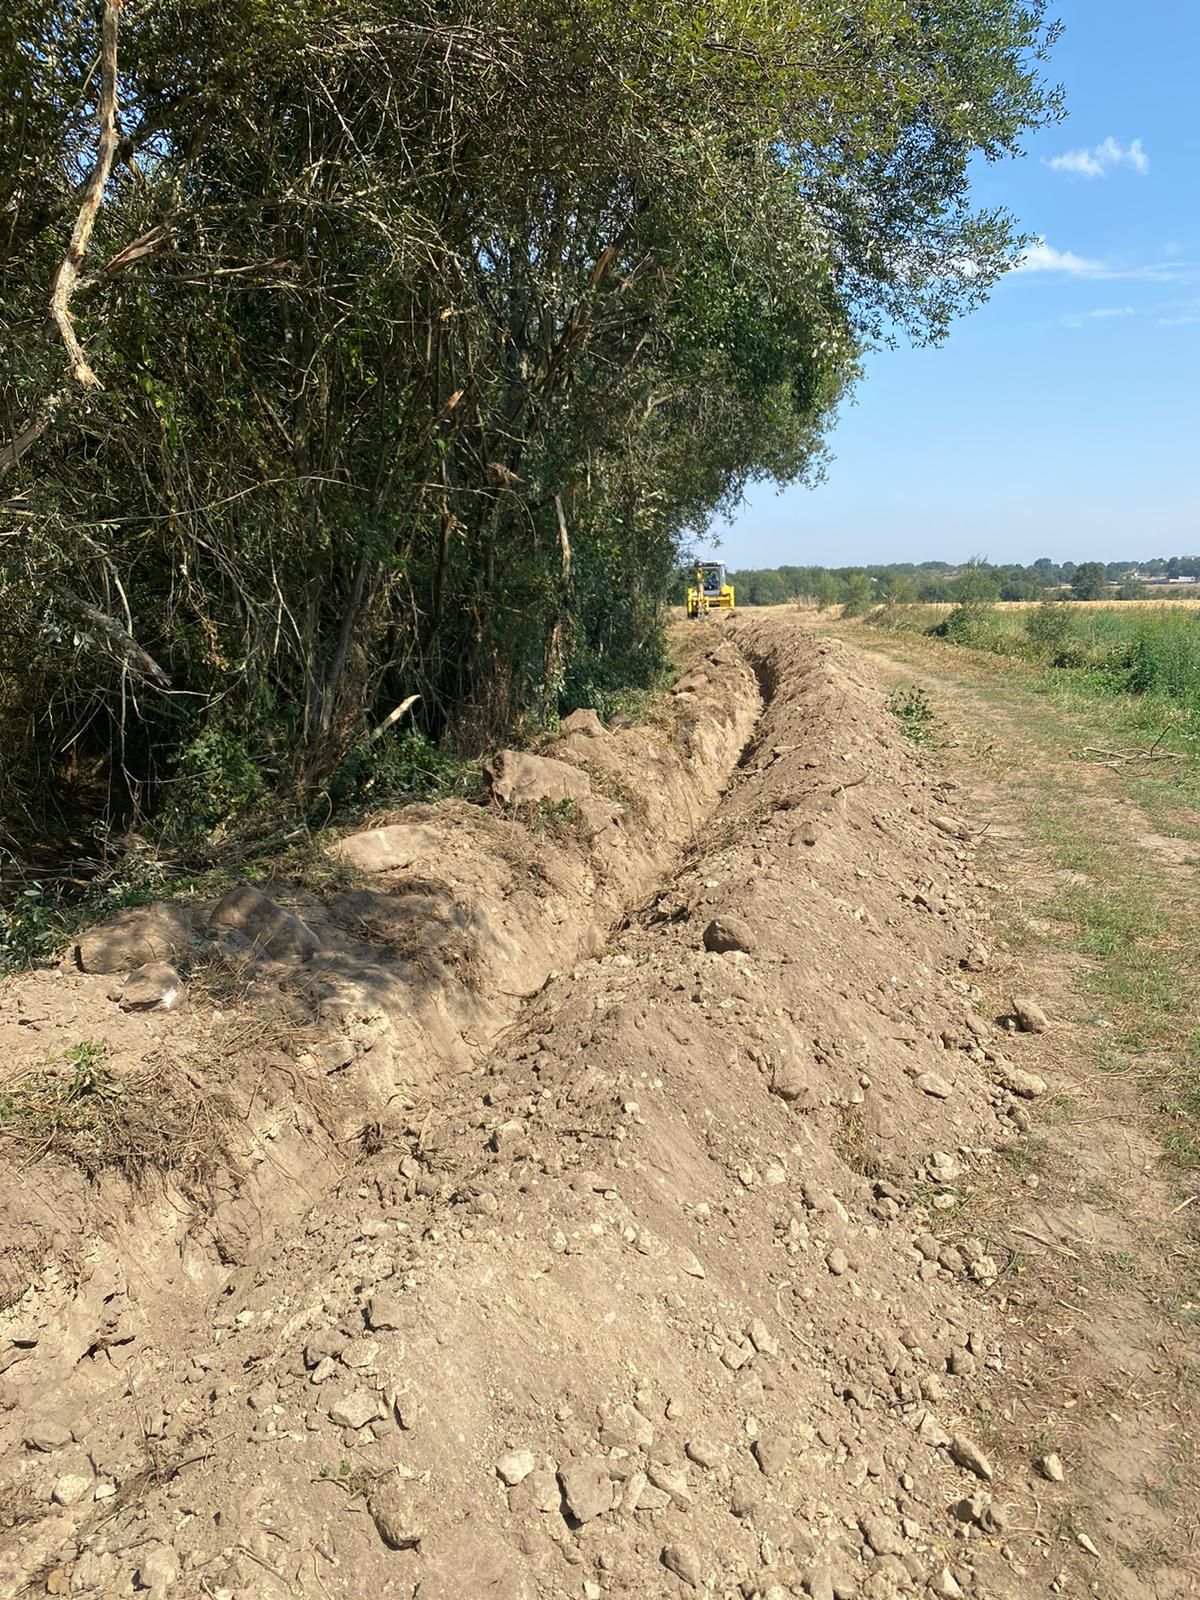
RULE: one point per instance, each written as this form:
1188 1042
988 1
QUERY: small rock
703 1452
587 1488
932 1083
584 721
976 958
356 1409
761 1339
880 1536
728 933
155 987
680 1560
385 1312
945 1585
969 1455
543 1489
837 1262
1030 1016
270 929
47 1435
516 1466
790 1082
398 1511
520 779
1017 1081
671 1482
1051 1468
71 1488
159 1568
772 1453
134 936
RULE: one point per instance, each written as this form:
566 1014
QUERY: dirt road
645 1197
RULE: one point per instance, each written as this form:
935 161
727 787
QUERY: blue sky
1063 418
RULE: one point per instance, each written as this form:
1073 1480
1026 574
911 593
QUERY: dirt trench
646 1287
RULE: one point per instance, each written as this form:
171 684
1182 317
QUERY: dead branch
1121 758
141 660
66 277
12 452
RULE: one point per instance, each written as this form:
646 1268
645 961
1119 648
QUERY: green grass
1150 656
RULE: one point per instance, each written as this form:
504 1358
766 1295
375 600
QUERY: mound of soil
569 1247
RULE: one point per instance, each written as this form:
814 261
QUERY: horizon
1060 417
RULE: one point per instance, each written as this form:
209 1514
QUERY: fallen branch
1122 758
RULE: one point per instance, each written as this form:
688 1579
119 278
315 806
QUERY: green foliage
909 703
427 333
1048 627
399 768
858 594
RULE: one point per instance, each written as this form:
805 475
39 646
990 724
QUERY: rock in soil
135 937
155 987
519 779
1030 1016
587 1488
270 929
727 933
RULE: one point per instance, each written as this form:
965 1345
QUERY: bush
1048 627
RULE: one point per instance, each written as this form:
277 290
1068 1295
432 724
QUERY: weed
909 704
852 1143
558 818
79 1110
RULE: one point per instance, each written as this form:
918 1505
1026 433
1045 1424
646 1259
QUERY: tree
1089 582
426 332
858 594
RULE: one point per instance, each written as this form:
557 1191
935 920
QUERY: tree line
380 354
978 581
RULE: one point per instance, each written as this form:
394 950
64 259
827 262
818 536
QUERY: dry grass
162 1119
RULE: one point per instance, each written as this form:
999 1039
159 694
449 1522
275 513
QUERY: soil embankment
611 1257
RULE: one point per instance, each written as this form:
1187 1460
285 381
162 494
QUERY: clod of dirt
400 1512
134 937
1030 1016
516 1466
587 1488
155 987
677 1558
519 779
586 722
269 928
728 932
47 1435
1017 1081
159 1568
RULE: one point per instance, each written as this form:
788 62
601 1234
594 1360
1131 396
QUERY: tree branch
106 149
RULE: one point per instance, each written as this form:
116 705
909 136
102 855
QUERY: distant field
1158 603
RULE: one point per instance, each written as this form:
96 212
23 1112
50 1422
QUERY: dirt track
546 1252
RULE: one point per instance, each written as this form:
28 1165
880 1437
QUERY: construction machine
709 590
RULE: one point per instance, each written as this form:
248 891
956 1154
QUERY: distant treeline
977 581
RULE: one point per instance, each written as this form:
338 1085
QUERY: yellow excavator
709 590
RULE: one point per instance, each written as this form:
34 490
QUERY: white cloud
1096 162
1079 319
1043 257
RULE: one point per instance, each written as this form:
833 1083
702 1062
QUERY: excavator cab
709 590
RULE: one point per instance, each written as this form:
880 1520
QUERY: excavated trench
636 1288
460 916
